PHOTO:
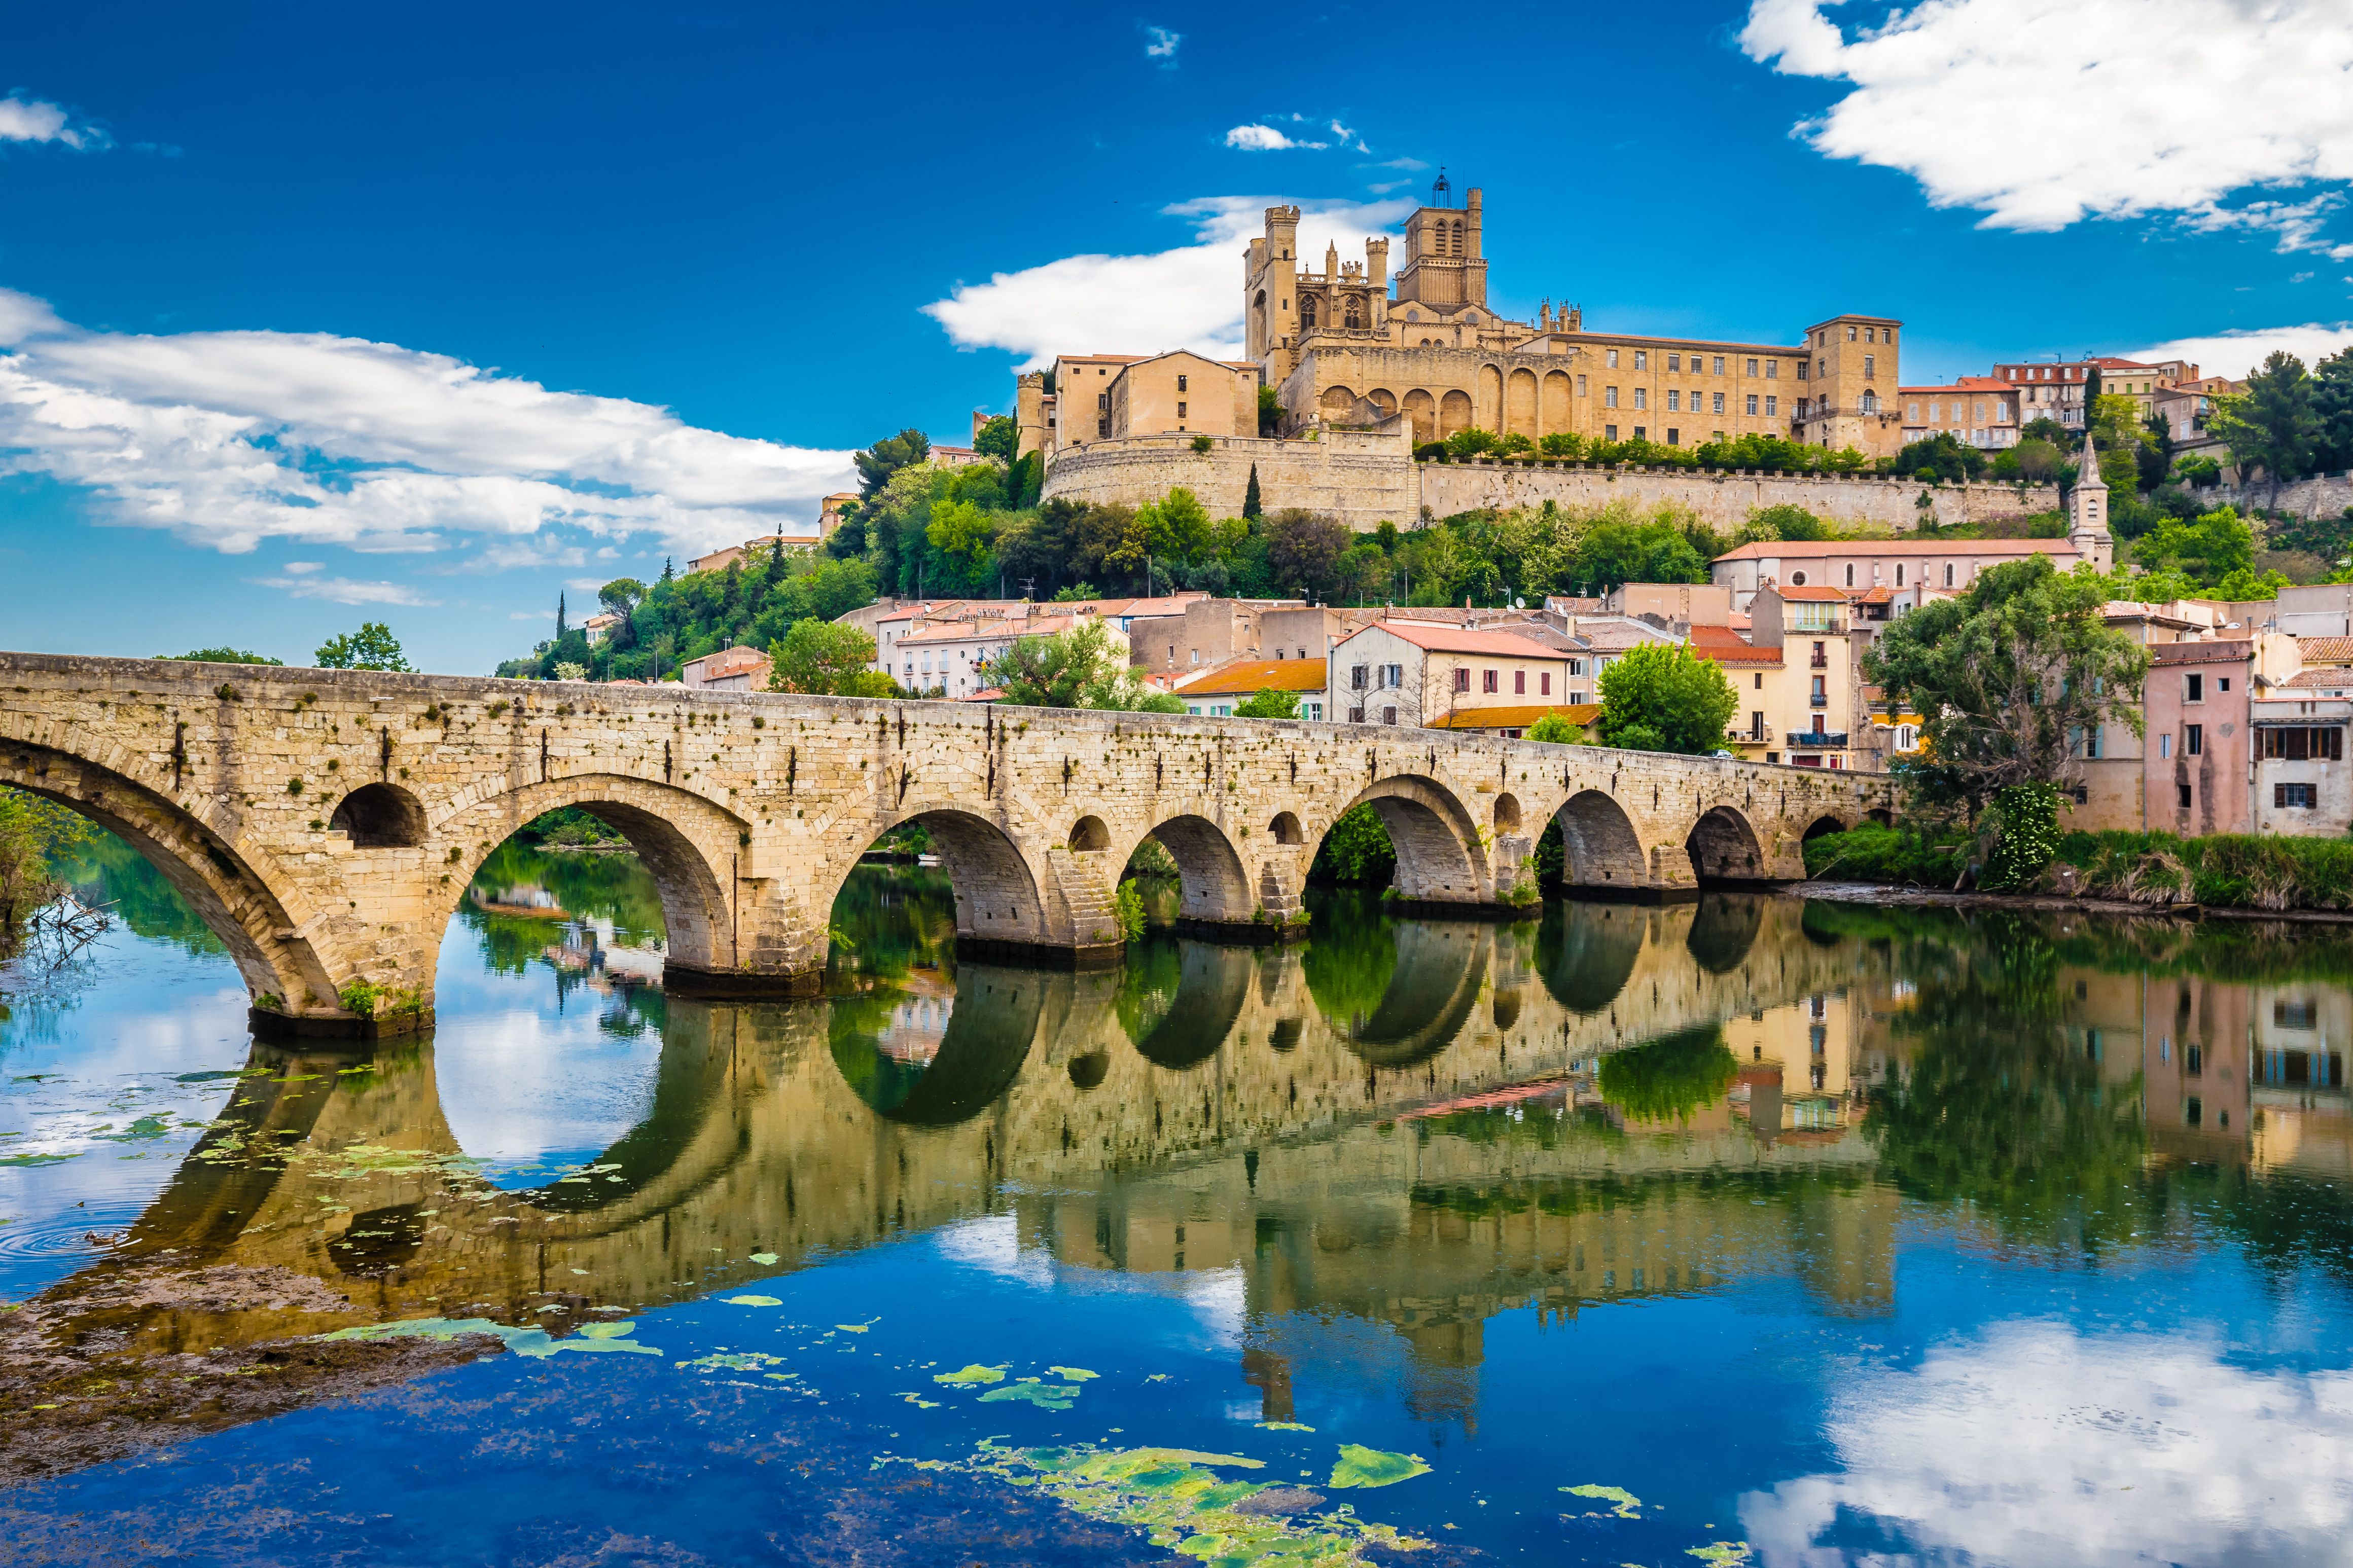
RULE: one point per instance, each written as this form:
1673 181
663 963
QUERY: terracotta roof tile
1453 639
1516 717
1247 677
2326 650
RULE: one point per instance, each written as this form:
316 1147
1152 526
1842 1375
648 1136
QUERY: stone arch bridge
325 823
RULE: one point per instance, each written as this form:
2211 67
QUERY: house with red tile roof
1413 673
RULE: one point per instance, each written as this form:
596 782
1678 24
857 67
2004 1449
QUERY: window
1798 579
1752 367
1577 667
1611 359
1674 435
1850 334
1899 573
1641 433
1462 680
1393 676
2087 742
1772 370
2193 740
1719 364
1609 432
1180 411
1772 406
1180 383
2223 684
1849 574
1388 715
2299 795
1674 362
1948 574
1519 683
1489 684
1752 402
1311 710
1867 404
2318 744
2164 746
1355 715
2193 689
1674 400
1641 360
1609 397
1544 684
2185 798
1355 676
1580 387
1715 404
1819 697
1803 367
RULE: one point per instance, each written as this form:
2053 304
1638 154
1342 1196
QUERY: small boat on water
532 902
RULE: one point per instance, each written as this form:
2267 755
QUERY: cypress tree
1251 504
559 614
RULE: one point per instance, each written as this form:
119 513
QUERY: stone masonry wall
751 809
2322 495
1368 478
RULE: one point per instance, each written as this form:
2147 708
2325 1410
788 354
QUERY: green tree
1616 551
1469 441
997 438
1303 550
1252 505
372 646
1554 729
2272 426
2206 551
2008 676
36 836
2332 410
1660 697
878 463
1562 444
1357 848
829 659
1078 669
621 594
1269 704
1668 1077
223 656
560 626
1270 412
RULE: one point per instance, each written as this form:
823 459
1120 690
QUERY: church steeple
2087 512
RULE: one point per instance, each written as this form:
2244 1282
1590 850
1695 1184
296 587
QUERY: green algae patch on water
1046 1396
751 1301
972 1375
1072 1374
1363 1467
764 1258
38 1159
731 1361
1284 1427
1626 1501
535 1342
1179 1499
1721 1553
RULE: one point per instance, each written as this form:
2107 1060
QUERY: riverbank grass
2225 871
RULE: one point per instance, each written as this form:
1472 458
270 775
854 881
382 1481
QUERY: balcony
1821 661
1749 735
1817 740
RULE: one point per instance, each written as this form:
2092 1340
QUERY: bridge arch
1600 847
1212 884
692 847
239 894
1822 824
380 816
1723 847
1440 854
999 899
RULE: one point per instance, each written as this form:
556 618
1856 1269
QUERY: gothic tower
2087 512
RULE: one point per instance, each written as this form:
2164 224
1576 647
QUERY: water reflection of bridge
796 1128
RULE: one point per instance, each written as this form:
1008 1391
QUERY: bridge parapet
325 823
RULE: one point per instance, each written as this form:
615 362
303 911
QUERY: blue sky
431 314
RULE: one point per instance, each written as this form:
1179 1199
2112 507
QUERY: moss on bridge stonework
325 823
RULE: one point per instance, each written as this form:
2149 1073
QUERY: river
1754 1230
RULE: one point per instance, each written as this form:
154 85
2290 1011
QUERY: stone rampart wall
2322 495
1368 478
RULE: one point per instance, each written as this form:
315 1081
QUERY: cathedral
1349 347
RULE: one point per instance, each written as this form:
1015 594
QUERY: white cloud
344 590
1160 44
232 438
1265 139
298 568
2235 354
2036 1446
30 120
1182 299
2043 113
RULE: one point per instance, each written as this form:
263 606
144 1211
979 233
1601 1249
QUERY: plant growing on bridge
360 998
1660 697
1127 907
